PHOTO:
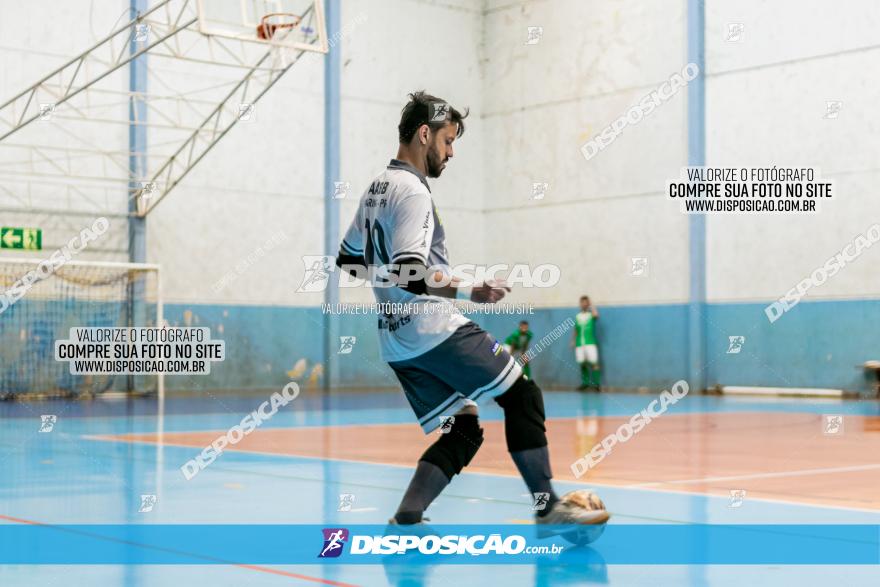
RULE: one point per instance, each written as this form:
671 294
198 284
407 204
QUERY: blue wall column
137 170
696 123
137 140
331 175
332 484
137 229
697 317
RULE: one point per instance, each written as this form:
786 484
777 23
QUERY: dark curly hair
424 108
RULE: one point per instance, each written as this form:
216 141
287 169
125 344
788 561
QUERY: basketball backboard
295 24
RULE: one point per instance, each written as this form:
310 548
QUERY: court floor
101 457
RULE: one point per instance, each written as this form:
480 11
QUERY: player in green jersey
518 345
584 342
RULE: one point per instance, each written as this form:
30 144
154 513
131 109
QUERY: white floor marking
796 473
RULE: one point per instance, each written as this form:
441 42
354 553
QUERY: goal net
39 305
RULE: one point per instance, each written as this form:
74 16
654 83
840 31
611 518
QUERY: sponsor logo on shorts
496 348
334 540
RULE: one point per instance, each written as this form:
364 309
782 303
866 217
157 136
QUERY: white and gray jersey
396 219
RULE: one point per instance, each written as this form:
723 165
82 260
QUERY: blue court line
349 408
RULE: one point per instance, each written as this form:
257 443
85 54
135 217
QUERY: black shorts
466 368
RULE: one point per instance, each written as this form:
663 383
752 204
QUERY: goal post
41 300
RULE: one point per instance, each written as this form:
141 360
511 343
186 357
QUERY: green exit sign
30 239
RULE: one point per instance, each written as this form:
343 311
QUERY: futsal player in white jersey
446 364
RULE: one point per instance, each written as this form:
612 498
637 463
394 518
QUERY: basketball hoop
274 21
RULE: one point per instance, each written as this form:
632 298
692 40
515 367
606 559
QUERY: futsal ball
584 498
585 533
